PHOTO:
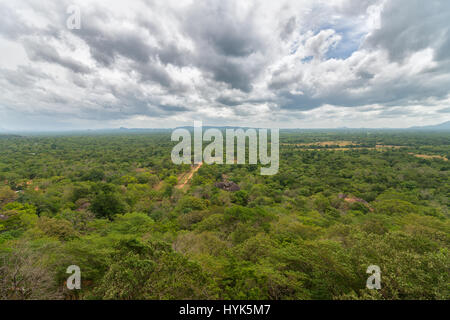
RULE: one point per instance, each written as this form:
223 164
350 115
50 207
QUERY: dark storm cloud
302 102
154 73
231 73
23 77
218 26
224 43
228 101
38 51
106 44
408 26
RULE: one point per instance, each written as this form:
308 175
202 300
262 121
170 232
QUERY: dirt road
184 179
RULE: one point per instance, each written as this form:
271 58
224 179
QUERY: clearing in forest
426 156
340 143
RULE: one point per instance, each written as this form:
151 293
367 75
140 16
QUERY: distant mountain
7 135
218 127
123 130
438 127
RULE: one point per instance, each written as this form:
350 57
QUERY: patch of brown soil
383 146
341 143
352 199
427 156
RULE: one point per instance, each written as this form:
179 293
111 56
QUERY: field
141 227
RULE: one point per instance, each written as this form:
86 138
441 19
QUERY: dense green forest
141 227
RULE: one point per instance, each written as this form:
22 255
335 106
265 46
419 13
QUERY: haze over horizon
163 64
436 127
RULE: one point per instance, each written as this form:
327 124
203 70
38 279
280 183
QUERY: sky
276 64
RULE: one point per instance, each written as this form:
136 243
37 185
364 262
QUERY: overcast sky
287 64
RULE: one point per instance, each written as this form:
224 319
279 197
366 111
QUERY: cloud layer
273 63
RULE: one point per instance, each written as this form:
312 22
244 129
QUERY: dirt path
184 179
159 185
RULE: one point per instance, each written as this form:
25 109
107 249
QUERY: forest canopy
141 227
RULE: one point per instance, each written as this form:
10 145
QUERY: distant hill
438 127
6 135
220 128
122 130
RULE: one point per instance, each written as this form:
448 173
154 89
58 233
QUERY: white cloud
284 63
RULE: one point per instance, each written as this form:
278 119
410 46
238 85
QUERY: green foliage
107 203
152 270
132 223
7 195
395 207
188 204
93 175
240 198
171 181
115 206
